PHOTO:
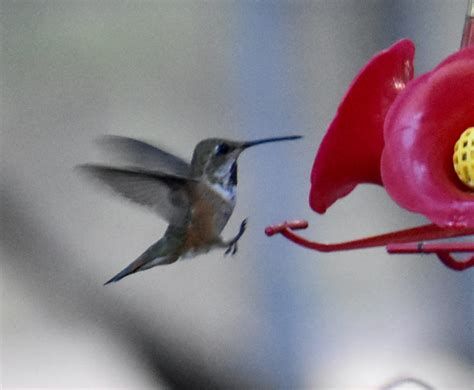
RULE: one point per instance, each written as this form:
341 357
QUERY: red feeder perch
415 137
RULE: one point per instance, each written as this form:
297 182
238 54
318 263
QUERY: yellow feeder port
463 158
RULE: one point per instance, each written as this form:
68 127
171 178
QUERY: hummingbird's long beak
248 144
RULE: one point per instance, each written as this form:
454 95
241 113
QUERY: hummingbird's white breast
225 192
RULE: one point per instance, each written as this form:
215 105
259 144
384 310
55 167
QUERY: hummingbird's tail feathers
134 267
125 272
159 261
146 260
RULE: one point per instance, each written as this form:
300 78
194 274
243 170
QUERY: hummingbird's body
197 199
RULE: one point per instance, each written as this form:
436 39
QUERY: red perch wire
402 241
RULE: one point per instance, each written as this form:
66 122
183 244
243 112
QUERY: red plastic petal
350 151
421 129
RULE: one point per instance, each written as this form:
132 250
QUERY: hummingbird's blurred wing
167 195
138 153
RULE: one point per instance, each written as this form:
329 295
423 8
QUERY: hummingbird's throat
222 172
223 180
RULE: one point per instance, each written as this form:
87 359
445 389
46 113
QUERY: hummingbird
196 199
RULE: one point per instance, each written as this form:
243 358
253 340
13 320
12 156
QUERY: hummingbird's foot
232 244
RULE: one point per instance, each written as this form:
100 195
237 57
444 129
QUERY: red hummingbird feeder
414 137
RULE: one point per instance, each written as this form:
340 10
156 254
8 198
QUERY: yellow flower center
463 157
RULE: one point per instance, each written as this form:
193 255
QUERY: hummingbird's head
216 157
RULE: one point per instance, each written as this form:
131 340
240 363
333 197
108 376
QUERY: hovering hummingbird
196 199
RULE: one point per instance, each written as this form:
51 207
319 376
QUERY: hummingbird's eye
222 149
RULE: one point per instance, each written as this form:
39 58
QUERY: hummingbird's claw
232 244
231 249
243 226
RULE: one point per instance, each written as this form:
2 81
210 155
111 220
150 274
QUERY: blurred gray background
275 315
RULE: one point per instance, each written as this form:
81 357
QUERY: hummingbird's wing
167 195
138 153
